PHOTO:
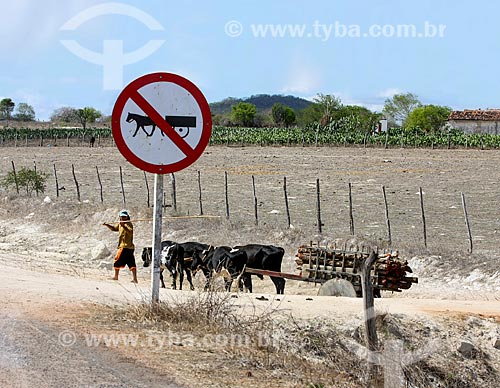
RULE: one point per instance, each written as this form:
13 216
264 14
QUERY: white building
476 121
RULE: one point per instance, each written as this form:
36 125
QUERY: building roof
476 114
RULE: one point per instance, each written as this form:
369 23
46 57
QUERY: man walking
125 255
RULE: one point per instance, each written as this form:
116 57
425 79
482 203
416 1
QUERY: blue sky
221 47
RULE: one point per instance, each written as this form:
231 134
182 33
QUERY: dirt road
40 346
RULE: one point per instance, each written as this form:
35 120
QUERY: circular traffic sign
161 123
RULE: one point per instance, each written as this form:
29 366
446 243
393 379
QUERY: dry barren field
54 251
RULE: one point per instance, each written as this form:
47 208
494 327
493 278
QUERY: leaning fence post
318 207
76 183
255 202
123 190
174 193
57 182
34 169
100 183
226 195
15 177
287 208
387 221
147 185
351 218
199 193
423 215
464 206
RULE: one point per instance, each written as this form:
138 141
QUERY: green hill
263 102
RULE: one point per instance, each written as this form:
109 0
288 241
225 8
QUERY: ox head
200 259
147 252
234 262
168 254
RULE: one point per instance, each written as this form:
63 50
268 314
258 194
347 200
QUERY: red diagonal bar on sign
161 123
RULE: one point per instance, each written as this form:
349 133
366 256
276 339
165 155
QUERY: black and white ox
172 258
232 261
189 250
266 257
220 261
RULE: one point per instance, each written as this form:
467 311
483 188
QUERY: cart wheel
337 287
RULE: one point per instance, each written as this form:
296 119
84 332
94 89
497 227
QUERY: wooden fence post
464 206
318 207
34 169
199 193
174 193
100 184
287 208
370 316
76 183
226 195
387 221
351 218
423 215
57 182
147 185
15 177
255 204
123 190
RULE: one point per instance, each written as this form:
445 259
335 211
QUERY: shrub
30 180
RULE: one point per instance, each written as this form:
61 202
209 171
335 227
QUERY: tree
24 112
430 118
87 115
400 106
65 114
362 118
309 115
6 108
244 113
327 104
282 115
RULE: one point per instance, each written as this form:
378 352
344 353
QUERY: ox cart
339 270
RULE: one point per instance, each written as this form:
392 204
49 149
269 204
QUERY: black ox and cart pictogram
181 124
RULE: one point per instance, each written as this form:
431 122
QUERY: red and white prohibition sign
161 123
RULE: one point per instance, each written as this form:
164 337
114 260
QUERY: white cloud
43 106
369 103
372 103
389 93
30 24
303 78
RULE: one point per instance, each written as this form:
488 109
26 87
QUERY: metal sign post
158 213
161 124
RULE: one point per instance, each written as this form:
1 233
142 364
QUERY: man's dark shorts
125 257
